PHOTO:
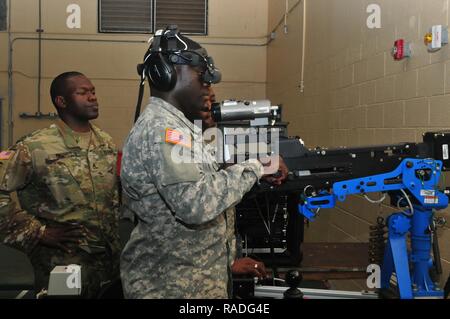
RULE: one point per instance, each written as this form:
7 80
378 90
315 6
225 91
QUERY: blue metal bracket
323 200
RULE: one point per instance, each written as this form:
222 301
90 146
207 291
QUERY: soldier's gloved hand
275 169
61 236
249 266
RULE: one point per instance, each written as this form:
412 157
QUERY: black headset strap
156 42
139 101
155 47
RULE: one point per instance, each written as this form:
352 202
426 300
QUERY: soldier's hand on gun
63 236
275 170
249 266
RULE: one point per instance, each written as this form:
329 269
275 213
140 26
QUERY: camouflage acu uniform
179 248
230 215
47 179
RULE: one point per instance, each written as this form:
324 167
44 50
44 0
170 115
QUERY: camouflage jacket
46 178
179 248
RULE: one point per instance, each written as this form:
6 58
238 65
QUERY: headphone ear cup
161 73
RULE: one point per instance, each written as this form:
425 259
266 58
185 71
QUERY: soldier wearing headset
173 184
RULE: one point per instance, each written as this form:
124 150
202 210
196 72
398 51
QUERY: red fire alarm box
401 50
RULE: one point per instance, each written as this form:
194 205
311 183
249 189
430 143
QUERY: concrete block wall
236 39
356 94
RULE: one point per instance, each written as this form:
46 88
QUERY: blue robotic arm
418 177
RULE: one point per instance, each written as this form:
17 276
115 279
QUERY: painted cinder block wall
236 39
355 93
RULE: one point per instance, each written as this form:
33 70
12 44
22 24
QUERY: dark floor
16 272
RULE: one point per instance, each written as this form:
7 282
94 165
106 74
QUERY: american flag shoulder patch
176 137
6 155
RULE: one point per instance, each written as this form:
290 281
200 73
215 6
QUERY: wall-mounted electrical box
436 38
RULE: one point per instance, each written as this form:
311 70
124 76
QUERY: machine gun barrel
313 170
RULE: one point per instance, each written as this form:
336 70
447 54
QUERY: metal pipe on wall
302 76
283 20
10 83
38 114
11 43
286 13
39 31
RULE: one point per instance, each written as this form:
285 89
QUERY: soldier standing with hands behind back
58 191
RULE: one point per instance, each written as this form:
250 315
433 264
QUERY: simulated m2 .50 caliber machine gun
409 173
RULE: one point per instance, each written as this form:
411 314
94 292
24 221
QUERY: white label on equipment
431 200
427 192
445 151
304 173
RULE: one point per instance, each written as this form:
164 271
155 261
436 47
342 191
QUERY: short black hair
59 84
